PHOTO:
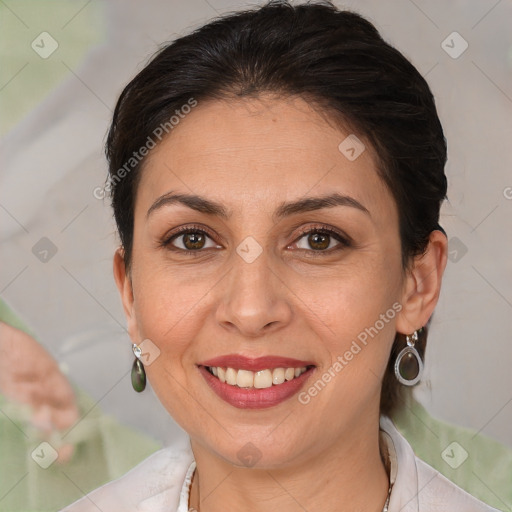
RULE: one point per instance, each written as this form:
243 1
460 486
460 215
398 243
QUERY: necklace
386 505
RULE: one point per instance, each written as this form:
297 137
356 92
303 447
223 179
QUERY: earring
138 372
408 364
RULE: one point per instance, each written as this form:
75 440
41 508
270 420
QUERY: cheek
167 307
168 304
353 314
352 298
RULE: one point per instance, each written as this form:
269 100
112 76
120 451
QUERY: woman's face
253 284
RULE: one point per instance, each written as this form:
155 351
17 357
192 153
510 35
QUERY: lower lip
253 398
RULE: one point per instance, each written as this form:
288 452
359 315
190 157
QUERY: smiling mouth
257 380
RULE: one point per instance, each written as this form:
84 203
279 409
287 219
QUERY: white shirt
161 483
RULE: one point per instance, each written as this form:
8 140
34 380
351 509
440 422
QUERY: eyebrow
308 204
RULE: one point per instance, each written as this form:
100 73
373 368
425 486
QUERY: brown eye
193 241
320 240
189 240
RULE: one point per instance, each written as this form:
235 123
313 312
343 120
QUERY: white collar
396 450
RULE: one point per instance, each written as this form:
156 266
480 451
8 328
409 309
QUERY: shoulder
418 487
440 494
153 485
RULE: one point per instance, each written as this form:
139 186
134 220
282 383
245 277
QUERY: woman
276 179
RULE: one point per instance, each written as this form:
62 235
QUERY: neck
351 473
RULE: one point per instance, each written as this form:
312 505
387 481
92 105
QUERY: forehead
251 153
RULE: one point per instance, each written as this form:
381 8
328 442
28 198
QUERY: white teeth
244 379
231 376
259 380
278 376
289 373
263 379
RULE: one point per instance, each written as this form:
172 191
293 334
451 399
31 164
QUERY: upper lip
241 362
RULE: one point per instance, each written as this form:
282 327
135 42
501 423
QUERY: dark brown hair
334 59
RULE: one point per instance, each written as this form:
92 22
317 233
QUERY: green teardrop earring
138 372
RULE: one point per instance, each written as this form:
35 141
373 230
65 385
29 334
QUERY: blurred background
63 64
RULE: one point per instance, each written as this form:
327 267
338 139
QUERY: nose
255 300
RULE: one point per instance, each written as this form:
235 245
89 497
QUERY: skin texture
251 155
29 375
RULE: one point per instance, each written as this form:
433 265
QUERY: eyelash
344 240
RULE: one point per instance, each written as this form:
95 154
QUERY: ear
422 285
124 285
